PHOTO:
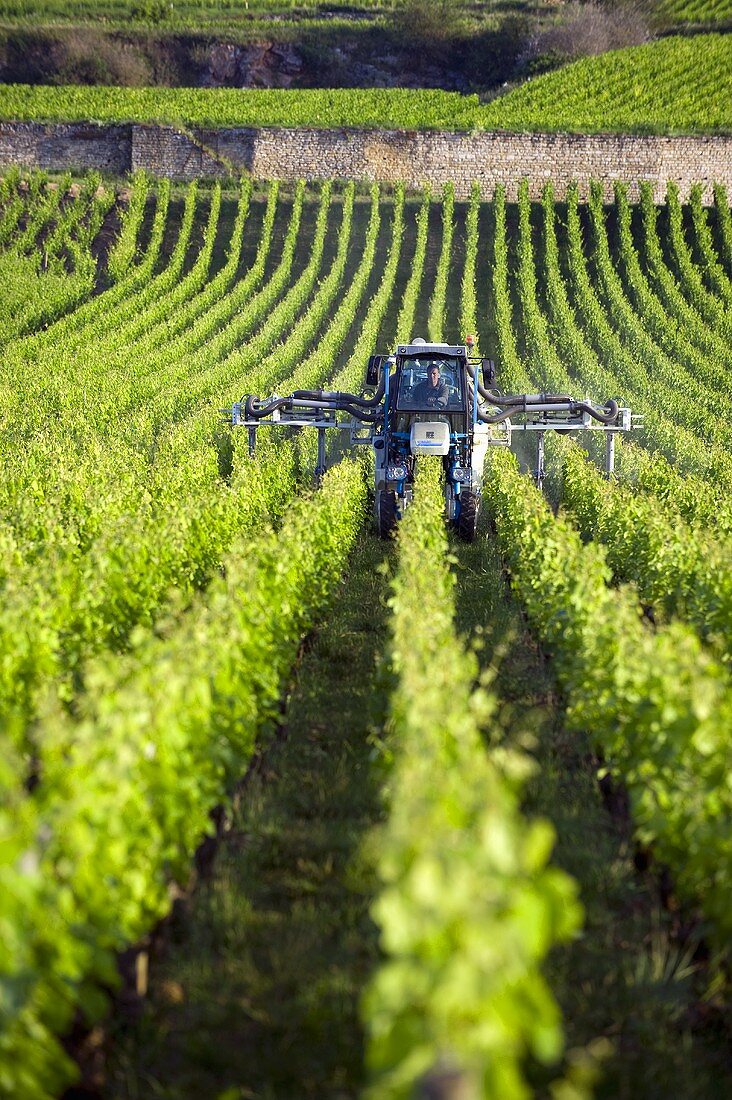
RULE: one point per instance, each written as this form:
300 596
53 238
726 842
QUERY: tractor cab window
428 383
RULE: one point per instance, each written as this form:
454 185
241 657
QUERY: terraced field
398 743
669 86
697 11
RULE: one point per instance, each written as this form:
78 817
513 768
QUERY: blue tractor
430 400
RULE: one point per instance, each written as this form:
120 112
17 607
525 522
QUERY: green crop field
675 85
240 17
398 108
696 11
202 15
417 875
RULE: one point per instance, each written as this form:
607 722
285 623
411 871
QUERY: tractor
431 400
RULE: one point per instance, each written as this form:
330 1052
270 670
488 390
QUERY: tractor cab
428 412
429 387
430 381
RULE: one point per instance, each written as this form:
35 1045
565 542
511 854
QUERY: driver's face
434 375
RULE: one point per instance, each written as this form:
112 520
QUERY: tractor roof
431 349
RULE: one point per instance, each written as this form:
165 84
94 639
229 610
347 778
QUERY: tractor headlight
461 474
396 473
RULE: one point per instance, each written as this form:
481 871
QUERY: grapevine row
111 827
656 704
460 985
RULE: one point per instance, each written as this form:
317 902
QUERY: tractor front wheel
467 524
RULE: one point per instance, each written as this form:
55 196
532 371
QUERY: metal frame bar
540 472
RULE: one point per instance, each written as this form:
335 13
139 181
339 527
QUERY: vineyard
697 11
173 607
673 85
424 108
186 13
231 15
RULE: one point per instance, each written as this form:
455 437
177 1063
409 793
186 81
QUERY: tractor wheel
467 523
387 512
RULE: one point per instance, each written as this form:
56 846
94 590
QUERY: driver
432 392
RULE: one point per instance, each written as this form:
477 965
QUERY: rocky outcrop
255 65
91 56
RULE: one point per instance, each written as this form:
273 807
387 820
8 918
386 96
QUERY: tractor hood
429 437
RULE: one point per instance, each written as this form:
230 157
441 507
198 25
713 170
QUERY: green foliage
127 789
310 370
134 538
48 266
695 11
138 573
187 13
683 571
674 85
656 703
436 317
123 251
637 315
512 371
323 108
284 357
151 11
432 23
468 906
350 378
405 321
468 299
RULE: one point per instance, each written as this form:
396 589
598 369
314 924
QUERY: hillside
675 85
420 43
460 46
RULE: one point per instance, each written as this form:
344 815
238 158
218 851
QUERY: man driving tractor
432 392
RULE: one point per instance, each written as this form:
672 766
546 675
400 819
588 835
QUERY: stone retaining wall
66 145
416 157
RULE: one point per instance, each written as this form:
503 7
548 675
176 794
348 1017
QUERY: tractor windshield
428 382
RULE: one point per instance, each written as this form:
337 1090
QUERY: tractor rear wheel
387 512
467 524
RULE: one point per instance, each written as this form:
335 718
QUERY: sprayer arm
363 408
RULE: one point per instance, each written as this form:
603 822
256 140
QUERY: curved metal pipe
496 418
525 402
342 402
493 396
607 415
360 414
255 409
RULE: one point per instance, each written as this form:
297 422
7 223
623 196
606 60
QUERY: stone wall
416 157
66 145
